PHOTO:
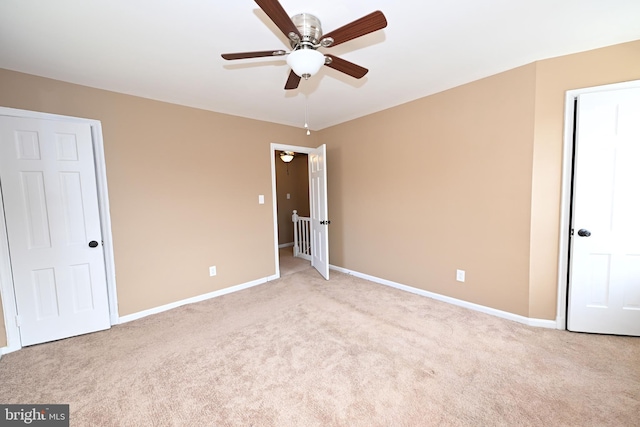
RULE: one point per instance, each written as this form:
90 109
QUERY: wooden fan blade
293 81
279 16
346 67
367 24
245 55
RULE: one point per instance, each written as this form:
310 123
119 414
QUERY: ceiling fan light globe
287 156
305 62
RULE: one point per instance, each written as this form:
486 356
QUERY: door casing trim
274 148
6 280
565 200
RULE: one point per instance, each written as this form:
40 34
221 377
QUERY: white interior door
47 174
604 287
319 210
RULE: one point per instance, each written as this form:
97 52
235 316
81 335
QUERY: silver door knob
584 233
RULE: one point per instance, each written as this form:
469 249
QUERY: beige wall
439 184
468 178
179 203
296 183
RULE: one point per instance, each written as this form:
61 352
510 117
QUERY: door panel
604 289
48 182
319 210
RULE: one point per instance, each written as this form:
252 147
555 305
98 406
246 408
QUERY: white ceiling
170 50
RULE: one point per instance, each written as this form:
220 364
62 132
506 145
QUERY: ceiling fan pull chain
306 114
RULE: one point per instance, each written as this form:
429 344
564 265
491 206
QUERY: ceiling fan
304 32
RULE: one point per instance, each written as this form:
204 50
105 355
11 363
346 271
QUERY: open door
604 285
319 210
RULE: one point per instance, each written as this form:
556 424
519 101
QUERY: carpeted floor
302 351
289 264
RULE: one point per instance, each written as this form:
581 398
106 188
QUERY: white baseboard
285 245
304 256
9 349
203 297
561 323
540 323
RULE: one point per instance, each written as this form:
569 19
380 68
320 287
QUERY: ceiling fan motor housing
310 29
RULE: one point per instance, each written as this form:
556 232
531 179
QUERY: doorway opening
292 194
317 180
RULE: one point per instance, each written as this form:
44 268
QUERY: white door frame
274 148
6 280
565 207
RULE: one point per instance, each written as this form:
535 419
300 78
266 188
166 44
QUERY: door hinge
18 320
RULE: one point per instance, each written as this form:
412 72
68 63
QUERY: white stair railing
301 236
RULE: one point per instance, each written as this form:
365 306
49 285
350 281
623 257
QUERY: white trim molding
285 245
7 291
160 309
274 193
540 323
199 298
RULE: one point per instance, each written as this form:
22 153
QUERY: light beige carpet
301 351
290 264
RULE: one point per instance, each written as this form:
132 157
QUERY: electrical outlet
212 270
460 275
